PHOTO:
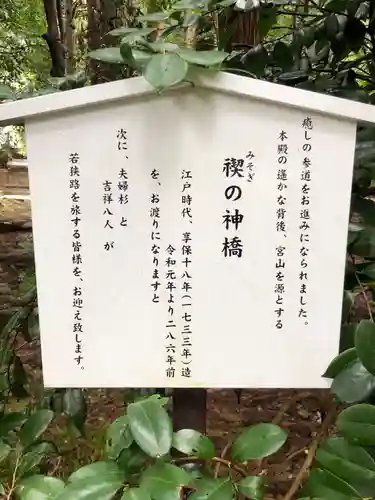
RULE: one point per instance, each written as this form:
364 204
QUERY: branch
310 455
367 302
227 463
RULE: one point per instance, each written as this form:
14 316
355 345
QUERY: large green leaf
357 424
365 344
6 93
151 427
324 484
351 463
347 336
34 426
252 487
40 488
282 56
75 407
258 441
108 471
213 489
126 51
191 442
107 55
364 245
164 481
11 421
4 450
154 17
203 57
34 457
255 60
132 459
91 488
340 362
135 494
125 31
165 70
118 437
354 384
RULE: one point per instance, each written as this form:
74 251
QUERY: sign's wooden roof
22 110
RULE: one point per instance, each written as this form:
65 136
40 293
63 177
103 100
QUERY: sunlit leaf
39 487
165 70
258 441
151 427
365 344
34 426
191 442
203 57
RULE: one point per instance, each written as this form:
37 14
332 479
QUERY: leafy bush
143 459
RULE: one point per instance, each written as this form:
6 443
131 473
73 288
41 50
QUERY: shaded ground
299 412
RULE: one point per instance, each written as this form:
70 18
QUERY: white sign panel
189 240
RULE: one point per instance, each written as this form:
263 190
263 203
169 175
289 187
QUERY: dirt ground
301 413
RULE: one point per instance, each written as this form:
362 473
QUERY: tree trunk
69 36
53 37
103 16
239 29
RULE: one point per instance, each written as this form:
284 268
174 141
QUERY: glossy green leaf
161 46
5 449
331 25
34 457
91 488
340 362
365 344
151 427
132 459
12 324
2 489
258 441
282 56
126 52
11 421
213 489
369 271
75 407
267 19
107 55
165 481
135 494
125 31
347 336
192 442
255 60
40 488
203 57
6 93
106 470
141 57
351 463
165 70
323 484
354 384
34 426
252 487
118 437
154 17
357 424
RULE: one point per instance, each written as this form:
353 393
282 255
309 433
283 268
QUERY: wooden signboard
180 239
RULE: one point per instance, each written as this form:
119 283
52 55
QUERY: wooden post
190 409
